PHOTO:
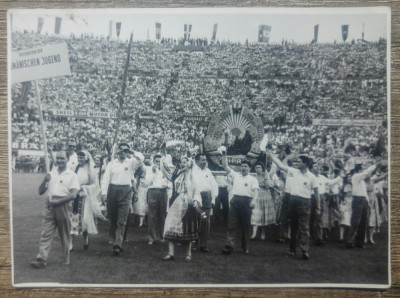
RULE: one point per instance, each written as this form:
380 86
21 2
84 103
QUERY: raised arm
225 163
276 160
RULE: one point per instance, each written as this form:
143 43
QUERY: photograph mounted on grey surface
217 147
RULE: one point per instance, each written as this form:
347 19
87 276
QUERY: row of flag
264 31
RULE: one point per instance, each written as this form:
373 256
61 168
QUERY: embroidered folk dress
87 205
264 212
181 224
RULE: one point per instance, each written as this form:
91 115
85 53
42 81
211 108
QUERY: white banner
82 114
347 122
40 63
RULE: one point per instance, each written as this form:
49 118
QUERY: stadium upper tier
287 84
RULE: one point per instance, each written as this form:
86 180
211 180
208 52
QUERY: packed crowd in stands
287 85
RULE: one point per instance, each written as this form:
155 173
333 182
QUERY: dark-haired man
63 186
244 191
72 156
116 187
303 186
157 198
359 206
205 192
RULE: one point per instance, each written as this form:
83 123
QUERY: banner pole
46 159
121 98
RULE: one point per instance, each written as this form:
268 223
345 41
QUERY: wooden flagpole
121 97
46 158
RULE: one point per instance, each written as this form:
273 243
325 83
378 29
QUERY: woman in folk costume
181 224
264 212
374 218
86 204
140 206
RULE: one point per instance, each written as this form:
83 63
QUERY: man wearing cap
205 192
62 185
116 187
157 198
303 186
72 156
244 190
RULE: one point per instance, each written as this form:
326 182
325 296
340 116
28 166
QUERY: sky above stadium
236 25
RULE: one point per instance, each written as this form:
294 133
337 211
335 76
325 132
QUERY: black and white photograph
200 147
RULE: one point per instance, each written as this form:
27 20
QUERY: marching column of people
304 197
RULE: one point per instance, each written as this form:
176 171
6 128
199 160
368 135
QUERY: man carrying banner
63 186
116 187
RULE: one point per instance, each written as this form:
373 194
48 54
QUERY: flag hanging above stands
264 32
345 32
118 28
57 28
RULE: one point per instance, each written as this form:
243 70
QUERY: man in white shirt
359 206
244 190
157 198
323 184
116 188
63 186
301 190
205 192
72 156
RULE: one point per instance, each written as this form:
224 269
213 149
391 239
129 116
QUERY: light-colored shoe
188 258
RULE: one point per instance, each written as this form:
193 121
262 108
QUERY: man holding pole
116 188
63 186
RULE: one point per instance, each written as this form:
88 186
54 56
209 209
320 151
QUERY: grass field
142 264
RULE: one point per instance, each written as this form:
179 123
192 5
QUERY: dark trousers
299 211
118 198
358 221
157 202
316 219
222 200
239 216
206 201
284 216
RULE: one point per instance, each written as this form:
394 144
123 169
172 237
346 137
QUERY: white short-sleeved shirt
322 183
289 182
72 162
62 184
243 185
302 184
358 183
119 173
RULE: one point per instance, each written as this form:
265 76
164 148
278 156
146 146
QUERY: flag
57 28
110 27
316 27
39 25
158 31
362 35
118 27
263 33
345 32
187 29
214 35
